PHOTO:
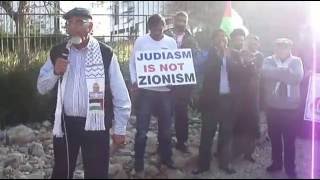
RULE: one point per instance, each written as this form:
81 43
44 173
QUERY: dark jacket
107 54
188 41
209 96
252 89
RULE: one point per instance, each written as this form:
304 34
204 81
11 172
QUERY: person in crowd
219 102
148 99
85 78
283 74
247 126
182 94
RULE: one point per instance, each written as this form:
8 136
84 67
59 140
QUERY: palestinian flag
231 20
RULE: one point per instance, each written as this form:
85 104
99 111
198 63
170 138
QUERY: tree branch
7 6
46 6
22 7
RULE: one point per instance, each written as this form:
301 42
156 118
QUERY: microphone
73 40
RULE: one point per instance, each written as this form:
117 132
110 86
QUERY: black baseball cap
80 12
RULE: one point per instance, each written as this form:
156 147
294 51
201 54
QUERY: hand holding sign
165 68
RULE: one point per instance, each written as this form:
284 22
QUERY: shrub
20 101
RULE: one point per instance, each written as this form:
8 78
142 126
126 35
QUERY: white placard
313 99
164 67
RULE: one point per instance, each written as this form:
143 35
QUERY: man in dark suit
246 129
182 94
219 102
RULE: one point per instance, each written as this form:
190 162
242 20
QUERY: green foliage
20 101
36 43
123 51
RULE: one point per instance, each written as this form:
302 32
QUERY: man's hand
134 90
170 86
118 139
60 66
134 87
118 142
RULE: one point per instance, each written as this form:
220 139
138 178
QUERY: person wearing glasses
81 118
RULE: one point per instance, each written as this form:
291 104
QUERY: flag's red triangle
227 10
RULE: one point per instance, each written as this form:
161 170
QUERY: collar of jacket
171 31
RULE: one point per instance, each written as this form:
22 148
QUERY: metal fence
40 25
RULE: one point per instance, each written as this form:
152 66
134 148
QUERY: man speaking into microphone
73 71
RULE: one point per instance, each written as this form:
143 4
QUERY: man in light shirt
149 98
282 73
77 124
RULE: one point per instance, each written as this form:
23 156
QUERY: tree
203 15
21 18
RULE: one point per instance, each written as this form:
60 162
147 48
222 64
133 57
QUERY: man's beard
180 28
76 40
238 47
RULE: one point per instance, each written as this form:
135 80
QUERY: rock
78 174
43 136
179 160
124 152
153 160
114 169
152 143
33 160
3 137
130 127
8 172
43 130
121 175
133 120
18 175
47 173
46 124
2 160
23 150
40 164
50 146
36 149
137 175
48 142
79 159
36 132
153 124
14 160
175 174
20 135
131 137
120 159
26 168
161 176
36 175
37 125
4 150
1 173
151 171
